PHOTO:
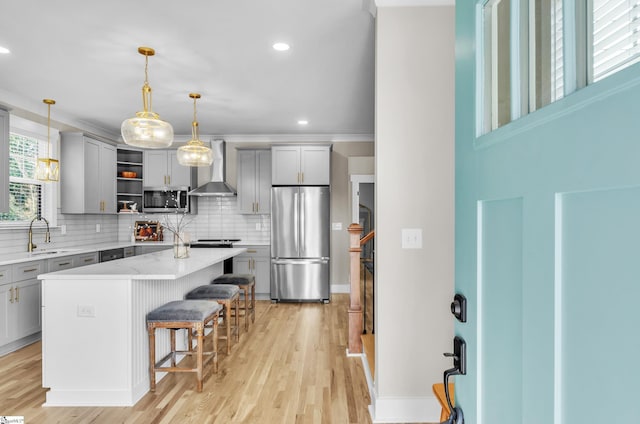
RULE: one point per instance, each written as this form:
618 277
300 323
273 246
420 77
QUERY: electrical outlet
87 311
98 228
336 226
63 230
257 226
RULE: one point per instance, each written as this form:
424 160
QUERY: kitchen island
94 337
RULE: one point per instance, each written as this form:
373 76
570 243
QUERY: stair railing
355 304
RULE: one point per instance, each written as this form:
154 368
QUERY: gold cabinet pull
252 251
63 263
302 177
30 270
88 260
11 294
17 294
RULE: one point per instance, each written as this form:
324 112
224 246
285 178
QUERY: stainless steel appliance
300 247
111 254
159 199
227 265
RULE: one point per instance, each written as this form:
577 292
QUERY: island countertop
151 266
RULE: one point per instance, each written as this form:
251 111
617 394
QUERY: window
615 36
546 53
534 52
496 59
28 197
522 65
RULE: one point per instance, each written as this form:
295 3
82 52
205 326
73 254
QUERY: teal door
548 253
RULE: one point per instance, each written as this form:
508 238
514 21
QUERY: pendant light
194 153
146 129
48 169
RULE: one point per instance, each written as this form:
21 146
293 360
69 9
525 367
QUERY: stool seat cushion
213 292
184 310
234 279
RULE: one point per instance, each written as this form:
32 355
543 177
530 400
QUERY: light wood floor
290 368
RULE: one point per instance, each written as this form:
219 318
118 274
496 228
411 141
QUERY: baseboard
404 410
340 288
19 344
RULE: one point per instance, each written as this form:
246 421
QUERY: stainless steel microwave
165 199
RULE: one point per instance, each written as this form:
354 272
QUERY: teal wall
553 255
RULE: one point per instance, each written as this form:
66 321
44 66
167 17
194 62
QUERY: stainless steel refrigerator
300 243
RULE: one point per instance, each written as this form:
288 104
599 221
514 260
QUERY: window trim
50 191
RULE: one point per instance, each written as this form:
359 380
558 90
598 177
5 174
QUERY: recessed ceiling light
281 47
4 50
303 122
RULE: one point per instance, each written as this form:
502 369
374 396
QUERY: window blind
616 27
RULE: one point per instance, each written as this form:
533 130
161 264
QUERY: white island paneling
94 338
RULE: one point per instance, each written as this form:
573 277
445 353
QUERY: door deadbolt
459 307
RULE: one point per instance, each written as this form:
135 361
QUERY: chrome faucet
47 235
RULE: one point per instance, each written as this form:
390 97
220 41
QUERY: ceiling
84 55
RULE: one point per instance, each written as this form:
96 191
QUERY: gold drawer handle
64 263
30 270
252 251
88 260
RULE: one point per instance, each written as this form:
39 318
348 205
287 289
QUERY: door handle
459 356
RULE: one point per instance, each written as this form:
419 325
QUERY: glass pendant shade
48 169
146 129
194 153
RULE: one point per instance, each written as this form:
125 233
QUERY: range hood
217 186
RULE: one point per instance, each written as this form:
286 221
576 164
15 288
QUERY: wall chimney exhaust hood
217 187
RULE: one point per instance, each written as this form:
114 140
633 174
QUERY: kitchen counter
94 338
56 252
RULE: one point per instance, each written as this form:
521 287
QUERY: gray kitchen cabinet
141 250
72 261
4 161
87 175
84 259
254 181
301 164
20 303
161 168
255 261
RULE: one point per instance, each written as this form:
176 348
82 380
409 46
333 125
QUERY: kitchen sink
53 252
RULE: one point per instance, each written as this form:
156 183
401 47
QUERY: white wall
414 189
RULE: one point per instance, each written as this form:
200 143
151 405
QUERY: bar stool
190 315
226 295
246 282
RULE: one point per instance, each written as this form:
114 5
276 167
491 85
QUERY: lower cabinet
255 261
20 303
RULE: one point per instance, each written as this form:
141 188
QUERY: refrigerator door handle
296 217
303 207
277 261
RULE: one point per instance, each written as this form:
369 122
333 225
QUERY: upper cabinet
161 168
4 161
87 175
254 181
301 165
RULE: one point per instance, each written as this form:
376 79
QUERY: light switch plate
98 228
336 226
412 238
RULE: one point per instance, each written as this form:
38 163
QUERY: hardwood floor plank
290 367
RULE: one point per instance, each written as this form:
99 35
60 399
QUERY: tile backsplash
80 230
217 217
